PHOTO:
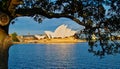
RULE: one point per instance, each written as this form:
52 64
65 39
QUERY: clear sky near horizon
26 25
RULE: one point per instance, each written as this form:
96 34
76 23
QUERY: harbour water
59 56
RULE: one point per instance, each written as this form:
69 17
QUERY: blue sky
25 25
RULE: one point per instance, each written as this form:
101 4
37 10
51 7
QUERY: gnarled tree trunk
5 41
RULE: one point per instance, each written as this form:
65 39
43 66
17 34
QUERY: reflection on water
58 56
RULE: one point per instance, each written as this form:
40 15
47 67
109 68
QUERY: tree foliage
14 37
100 17
94 10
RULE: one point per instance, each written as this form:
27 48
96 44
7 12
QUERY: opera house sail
61 32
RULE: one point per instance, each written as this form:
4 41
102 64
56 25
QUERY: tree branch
33 11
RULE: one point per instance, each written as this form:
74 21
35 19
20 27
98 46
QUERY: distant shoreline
47 41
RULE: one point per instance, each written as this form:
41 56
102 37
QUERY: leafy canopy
92 14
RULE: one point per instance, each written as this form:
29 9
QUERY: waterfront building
40 36
61 32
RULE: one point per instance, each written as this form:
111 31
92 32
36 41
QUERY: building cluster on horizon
61 32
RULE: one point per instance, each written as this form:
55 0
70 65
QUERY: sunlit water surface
59 56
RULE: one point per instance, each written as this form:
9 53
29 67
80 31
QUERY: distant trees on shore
14 37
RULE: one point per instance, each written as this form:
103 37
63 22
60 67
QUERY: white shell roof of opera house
61 31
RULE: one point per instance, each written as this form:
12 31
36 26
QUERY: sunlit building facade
61 32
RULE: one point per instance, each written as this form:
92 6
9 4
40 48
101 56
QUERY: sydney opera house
61 32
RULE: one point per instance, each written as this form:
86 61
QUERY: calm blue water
59 56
